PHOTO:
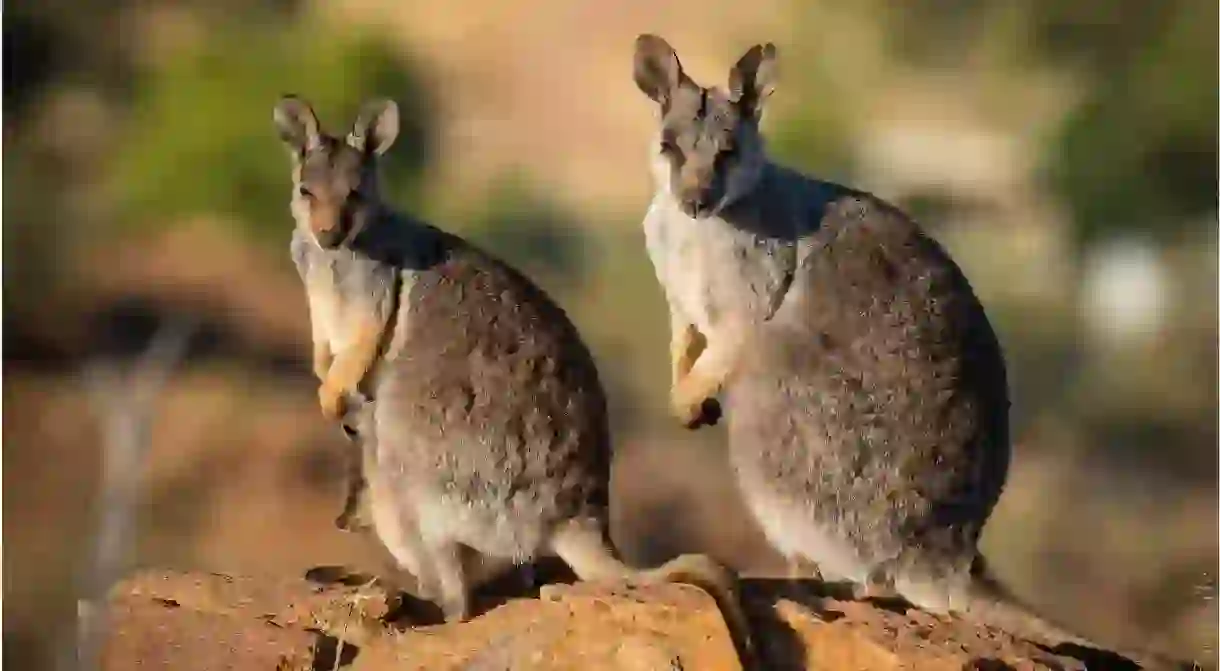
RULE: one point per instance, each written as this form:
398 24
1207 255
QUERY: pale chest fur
326 307
343 289
713 274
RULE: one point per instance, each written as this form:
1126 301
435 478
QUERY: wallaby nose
329 238
699 203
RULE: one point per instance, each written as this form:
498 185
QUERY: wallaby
865 391
489 417
357 422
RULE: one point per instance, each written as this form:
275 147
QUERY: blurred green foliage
517 223
1103 37
200 138
63 40
809 127
1139 154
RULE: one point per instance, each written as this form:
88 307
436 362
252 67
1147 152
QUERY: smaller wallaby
488 425
865 389
356 424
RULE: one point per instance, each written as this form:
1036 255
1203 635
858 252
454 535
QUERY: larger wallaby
865 391
490 419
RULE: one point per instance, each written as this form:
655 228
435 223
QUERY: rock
168 620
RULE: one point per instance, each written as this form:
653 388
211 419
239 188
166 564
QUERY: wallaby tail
720 583
592 556
993 604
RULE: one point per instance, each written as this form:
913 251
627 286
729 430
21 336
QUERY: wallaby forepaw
709 413
332 402
351 522
685 410
321 364
344 521
706 412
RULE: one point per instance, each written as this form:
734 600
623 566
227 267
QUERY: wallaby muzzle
330 238
699 206
699 193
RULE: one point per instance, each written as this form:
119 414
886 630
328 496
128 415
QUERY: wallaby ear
376 126
297 124
657 68
752 79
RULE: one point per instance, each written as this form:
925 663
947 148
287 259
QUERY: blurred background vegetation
1064 152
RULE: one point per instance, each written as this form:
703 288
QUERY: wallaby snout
699 207
333 218
326 225
700 195
329 238
329 234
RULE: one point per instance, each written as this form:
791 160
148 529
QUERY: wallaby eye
668 148
305 192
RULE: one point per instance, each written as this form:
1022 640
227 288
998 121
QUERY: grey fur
358 428
488 427
865 390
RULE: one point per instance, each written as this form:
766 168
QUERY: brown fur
488 428
865 390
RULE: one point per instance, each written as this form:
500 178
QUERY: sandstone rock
167 620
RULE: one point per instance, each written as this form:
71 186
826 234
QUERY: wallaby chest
344 290
714 273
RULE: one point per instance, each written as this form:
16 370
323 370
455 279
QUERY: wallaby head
708 152
334 179
357 419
